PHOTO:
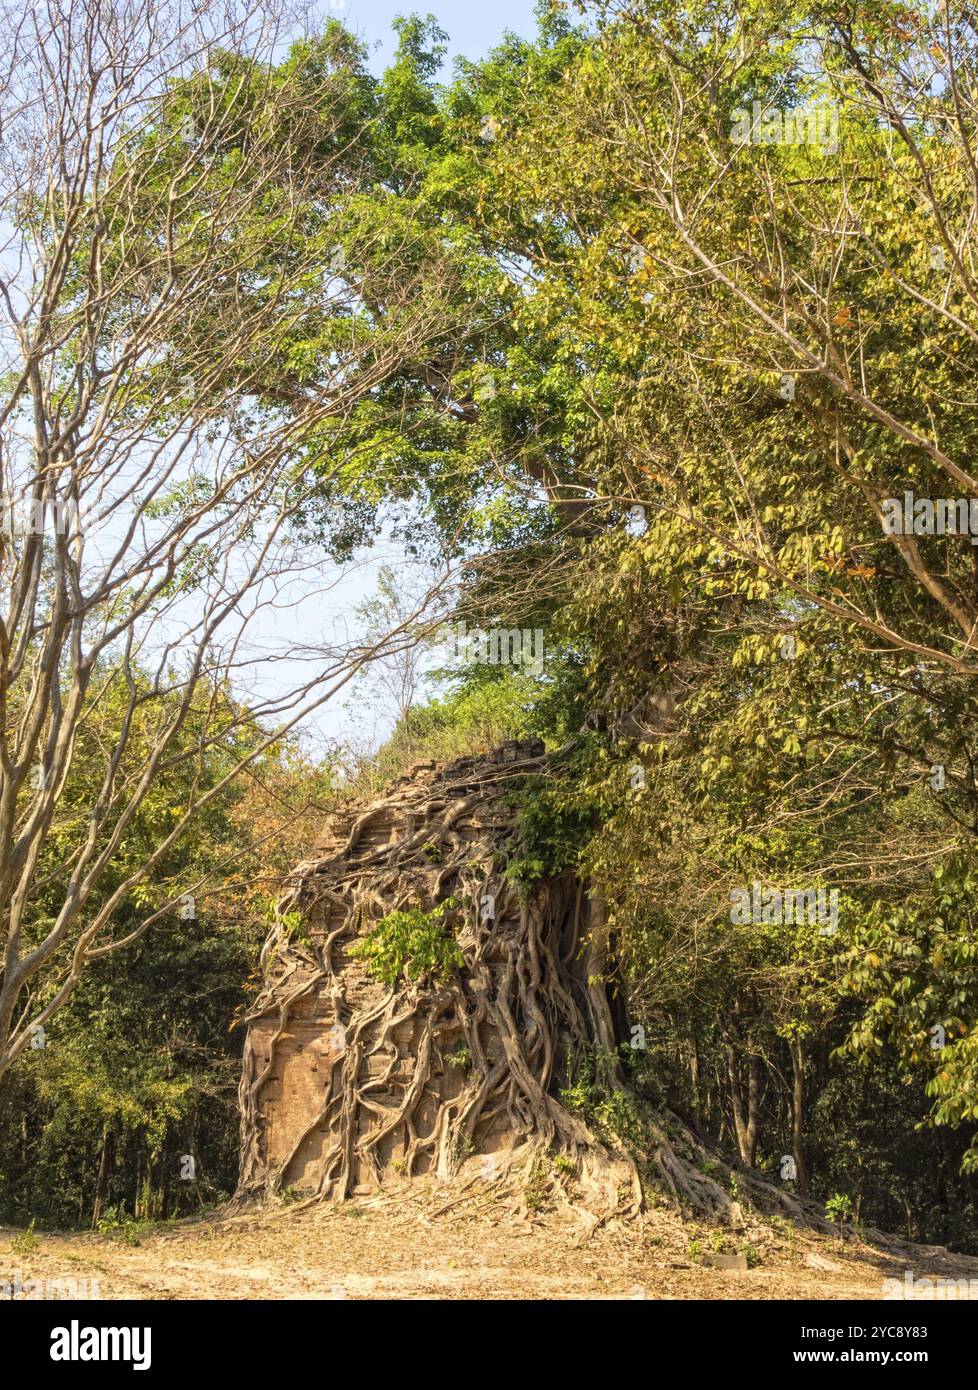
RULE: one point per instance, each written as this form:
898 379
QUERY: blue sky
473 28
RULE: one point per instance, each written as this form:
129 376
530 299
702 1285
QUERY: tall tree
171 189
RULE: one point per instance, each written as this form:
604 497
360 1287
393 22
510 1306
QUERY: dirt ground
418 1247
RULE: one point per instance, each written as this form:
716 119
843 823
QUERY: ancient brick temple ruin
348 1081
344 1077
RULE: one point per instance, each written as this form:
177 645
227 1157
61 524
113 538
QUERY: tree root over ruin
438 1075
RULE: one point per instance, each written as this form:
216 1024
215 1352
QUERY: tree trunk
753 1107
598 973
736 1103
745 1107
102 1181
798 1114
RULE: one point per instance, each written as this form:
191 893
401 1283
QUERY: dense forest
649 346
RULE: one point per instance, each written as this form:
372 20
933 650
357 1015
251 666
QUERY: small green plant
564 1166
838 1208
718 1241
613 1113
25 1243
461 1057
535 1191
410 943
617 1115
751 1254
119 1225
785 1230
291 924
694 1249
149 1203
463 1147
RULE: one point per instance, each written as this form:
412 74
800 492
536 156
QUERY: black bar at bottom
730 1336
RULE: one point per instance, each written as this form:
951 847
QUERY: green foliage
838 1207
26 1242
119 1225
612 1113
140 1066
916 967
634 355
139 1069
411 944
554 820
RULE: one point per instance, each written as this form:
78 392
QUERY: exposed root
431 1072
454 1078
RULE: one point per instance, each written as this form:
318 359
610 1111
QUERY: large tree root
440 1076
433 1071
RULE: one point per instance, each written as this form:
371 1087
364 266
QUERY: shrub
411 943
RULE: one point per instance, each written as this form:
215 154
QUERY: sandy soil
417 1247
